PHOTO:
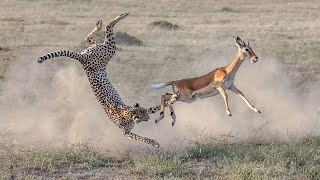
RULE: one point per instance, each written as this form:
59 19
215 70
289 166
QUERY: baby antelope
211 84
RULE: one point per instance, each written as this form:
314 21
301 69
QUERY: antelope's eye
247 50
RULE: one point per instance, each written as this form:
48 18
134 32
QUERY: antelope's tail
157 86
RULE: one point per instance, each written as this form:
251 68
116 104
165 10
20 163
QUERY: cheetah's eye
136 105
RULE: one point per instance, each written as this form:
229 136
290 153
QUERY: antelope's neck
234 65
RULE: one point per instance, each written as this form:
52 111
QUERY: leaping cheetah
94 60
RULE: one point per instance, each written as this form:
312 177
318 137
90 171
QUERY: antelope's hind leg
91 37
173 115
167 100
162 106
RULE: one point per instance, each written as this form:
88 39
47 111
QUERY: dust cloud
53 102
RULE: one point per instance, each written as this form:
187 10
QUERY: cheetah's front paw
154 143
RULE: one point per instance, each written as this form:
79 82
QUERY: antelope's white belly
211 90
213 93
207 91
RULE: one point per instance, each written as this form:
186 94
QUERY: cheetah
94 61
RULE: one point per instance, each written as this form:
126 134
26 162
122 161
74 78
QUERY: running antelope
211 84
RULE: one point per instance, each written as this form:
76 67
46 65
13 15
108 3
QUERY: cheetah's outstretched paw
154 143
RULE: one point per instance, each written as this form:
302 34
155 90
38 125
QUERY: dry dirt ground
51 126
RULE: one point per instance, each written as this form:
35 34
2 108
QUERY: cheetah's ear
136 105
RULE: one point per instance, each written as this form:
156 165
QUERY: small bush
165 25
121 38
54 22
124 38
227 9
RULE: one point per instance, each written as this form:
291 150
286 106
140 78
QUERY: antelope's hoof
172 124
156 121
256 110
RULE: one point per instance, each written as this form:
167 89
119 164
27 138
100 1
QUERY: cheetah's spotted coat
94 60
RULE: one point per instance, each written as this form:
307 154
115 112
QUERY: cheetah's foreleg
133 136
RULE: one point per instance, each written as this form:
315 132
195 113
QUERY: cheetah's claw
99 24
124 14
154 143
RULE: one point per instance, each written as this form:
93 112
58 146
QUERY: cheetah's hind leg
109 27
91 37
117 19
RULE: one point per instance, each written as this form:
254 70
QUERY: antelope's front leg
133 136
90 39
239 93
225 98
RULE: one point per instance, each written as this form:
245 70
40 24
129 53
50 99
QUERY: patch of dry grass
299 158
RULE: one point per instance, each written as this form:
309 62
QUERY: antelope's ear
136 105
239 42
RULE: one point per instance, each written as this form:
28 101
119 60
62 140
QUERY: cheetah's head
139 114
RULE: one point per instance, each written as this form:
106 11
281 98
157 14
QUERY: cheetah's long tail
73 55
154 109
